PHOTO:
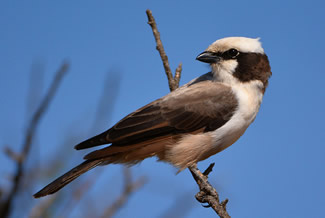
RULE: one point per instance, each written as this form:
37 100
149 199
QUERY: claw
206 206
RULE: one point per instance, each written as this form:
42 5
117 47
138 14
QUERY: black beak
208 57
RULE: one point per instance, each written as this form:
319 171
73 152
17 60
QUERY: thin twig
12 154
172 81
177 76
208 170
129 188
30 133
207 193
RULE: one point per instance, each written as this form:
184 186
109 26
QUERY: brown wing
203 106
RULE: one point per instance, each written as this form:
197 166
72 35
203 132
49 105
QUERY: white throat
223 72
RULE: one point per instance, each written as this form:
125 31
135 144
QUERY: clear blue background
275 170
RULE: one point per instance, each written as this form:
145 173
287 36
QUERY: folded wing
202 107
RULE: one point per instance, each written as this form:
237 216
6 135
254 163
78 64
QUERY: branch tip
224 203
209 169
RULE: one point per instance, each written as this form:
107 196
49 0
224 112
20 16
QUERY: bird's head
237 59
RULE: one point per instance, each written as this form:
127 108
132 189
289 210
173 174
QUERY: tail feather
68 177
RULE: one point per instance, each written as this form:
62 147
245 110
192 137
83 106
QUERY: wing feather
205 105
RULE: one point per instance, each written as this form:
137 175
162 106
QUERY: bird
191 123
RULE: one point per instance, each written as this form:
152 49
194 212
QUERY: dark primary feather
94 141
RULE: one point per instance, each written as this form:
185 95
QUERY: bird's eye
232 53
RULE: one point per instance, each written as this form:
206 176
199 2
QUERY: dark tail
68 177
94 141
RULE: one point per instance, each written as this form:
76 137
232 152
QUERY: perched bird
197 120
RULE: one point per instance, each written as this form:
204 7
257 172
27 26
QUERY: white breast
192 148
249 97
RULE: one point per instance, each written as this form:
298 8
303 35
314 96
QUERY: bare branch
12 154
129 188
173 82
207 193
30 133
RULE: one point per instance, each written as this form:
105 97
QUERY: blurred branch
180 206
129 188
106 102
39 210
30 133
77 193
12 154
102 117
207 193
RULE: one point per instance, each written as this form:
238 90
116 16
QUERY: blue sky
275 170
